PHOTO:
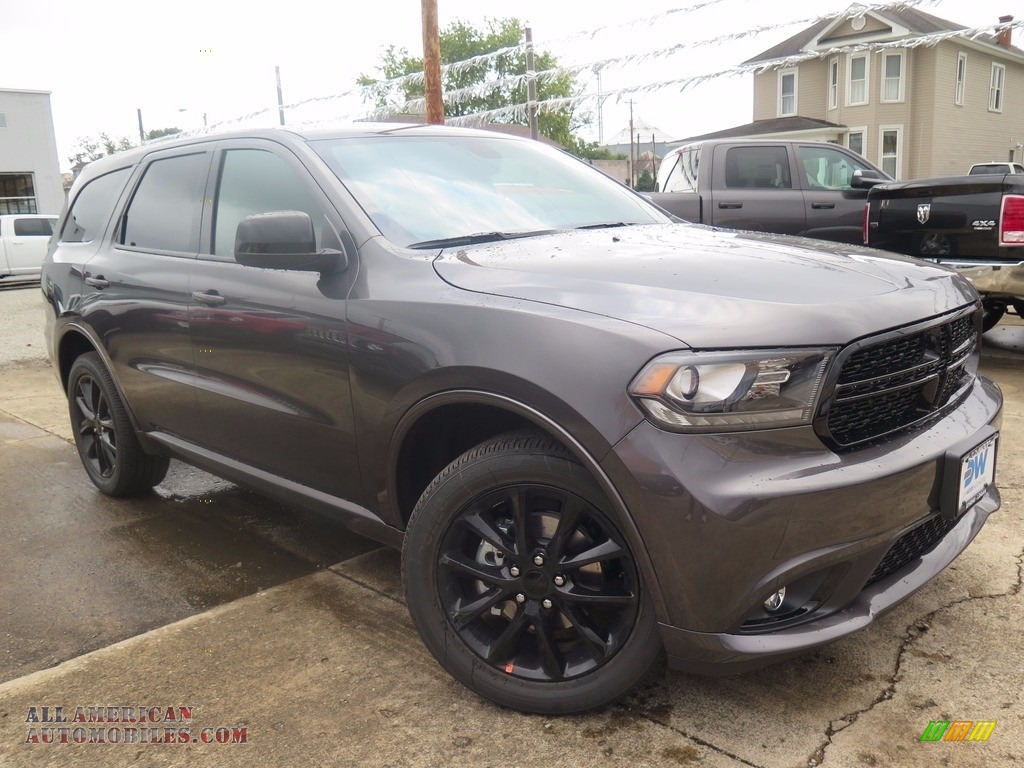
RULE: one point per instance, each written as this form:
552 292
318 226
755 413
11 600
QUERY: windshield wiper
608 225
478 237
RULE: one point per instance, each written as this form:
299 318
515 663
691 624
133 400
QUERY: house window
892 77
961 78
857 80
787 92
855 141
17 193
995 88
890 142
833 84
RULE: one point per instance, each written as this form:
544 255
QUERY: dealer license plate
977 473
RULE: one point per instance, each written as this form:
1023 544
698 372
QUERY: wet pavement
284 624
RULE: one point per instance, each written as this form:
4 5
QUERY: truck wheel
520 584
106 442
992 313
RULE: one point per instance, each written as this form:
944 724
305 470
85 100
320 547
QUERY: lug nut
520 598
547 603
559 581
514 570
538 559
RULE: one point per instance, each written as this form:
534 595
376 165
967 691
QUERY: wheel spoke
83 406
599 648
464 612
463 565
611 597
520 513
571 510
606 550
501 649
549 655
107 453
488 533
85 427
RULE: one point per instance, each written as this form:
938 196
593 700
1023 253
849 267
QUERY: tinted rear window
164 212
33 227
92 207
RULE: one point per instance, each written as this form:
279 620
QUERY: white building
29 168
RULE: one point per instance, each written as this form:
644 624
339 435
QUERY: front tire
520 583
110 452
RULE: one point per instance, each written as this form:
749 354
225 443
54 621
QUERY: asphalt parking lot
287 632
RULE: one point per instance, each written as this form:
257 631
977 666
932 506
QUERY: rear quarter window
92 207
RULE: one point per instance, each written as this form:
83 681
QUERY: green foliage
91 148
646 181
459 42
589 150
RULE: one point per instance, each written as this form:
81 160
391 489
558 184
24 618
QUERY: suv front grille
912 545
888 385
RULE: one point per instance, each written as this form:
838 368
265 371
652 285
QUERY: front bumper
729 519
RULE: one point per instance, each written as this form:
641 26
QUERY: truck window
680 174
757 168
827 168
33 227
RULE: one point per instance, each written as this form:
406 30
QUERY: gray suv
596 435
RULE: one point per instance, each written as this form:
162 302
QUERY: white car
23 242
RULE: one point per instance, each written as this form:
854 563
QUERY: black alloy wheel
110 452
540 600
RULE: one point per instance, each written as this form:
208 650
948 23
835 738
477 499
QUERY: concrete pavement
326 670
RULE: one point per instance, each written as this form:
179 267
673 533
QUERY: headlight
730 391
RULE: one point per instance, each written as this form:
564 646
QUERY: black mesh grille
892 384
912 545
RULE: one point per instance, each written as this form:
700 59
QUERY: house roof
917 22
764 127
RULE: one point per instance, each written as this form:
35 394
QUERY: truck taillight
1011 221
864 226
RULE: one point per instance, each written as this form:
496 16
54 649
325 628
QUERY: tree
459 42
91 148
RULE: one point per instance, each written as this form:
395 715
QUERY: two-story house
915 111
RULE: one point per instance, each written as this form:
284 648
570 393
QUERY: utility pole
142 133
432 64
632 158
280 98
600 111
531 84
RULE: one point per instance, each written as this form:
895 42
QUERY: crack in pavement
916 629
695 739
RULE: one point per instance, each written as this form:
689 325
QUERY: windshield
430 189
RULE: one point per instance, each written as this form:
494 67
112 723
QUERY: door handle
822 206
730 205
96 282
209 298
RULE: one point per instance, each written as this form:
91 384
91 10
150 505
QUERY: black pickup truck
808 188
974 224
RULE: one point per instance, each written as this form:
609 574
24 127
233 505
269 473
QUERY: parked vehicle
974 224
806 188
999 168
23 241
596 434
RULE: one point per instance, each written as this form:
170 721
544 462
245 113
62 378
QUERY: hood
713 288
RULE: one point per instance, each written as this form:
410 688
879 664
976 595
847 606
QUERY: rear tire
110 452
520 583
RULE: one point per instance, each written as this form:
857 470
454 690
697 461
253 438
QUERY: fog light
775 600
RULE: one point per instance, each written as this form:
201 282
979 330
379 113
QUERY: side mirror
866 179
282 240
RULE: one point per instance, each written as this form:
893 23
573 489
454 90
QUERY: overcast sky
104 59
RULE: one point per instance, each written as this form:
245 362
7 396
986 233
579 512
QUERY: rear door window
757 168
165 210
